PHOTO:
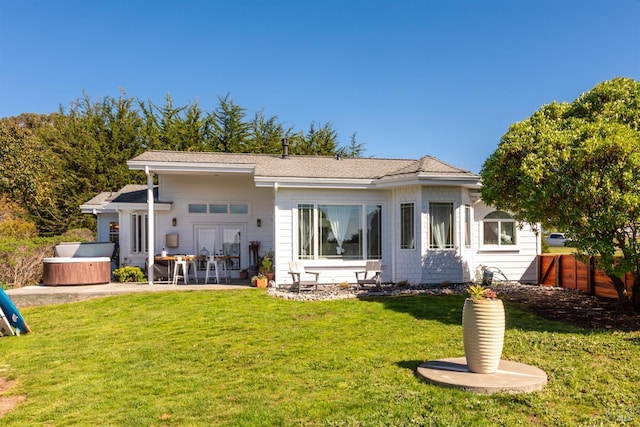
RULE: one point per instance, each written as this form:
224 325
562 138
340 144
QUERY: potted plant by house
266 267
483 329
260 280
244 273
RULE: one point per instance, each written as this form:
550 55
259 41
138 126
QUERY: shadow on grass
412 366
447 309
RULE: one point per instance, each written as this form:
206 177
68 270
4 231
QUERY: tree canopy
51 163
576 167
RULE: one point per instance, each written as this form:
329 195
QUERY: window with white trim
499 229
467 226
139 232
219 208
441 225
407 226
114 232
327 231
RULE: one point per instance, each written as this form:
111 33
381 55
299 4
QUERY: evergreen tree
265 135
230 130
51 164
354 149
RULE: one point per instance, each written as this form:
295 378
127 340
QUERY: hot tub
76 271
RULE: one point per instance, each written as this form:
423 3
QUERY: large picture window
328 231
441 225
499 228
340 231
407 226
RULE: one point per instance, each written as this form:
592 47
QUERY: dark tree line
50 164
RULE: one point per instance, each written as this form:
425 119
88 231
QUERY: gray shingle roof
267 165
132 193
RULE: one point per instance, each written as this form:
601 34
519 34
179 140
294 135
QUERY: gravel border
336 292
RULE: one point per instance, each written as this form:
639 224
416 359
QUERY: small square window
239 209
218 208
197 208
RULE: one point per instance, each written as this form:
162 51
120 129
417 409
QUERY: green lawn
243 358
560 250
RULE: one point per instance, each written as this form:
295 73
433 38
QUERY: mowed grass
560 250
243 358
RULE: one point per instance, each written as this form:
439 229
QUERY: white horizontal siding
518 263
332 271
276 210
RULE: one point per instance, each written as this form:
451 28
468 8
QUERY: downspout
150 225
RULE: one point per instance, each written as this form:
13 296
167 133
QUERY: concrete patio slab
30 296
511 377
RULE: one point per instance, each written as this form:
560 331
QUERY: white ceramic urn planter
483 333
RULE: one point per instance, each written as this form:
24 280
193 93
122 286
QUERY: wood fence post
558 272
591 271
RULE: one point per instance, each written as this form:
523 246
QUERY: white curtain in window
231 241
339 217
440 225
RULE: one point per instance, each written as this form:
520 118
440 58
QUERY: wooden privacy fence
566 271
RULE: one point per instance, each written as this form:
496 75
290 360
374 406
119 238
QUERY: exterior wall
276 209
331 271
126 257
407 262
185 189
442 265
518 263
103 225
467 253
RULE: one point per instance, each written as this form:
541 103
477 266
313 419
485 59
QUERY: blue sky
410 78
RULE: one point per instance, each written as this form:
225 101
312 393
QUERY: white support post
150 226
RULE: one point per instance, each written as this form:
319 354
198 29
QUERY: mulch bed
577 308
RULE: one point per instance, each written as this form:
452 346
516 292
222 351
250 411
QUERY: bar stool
212 262
180 270
192 266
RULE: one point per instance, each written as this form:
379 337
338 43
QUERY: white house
422 218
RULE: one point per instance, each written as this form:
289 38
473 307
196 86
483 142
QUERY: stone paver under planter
511 377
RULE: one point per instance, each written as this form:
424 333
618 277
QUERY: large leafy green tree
576 167
28 170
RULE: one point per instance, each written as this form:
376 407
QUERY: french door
222 240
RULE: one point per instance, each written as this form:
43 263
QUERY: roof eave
115 207
183 167
287 182
438 181
137 206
